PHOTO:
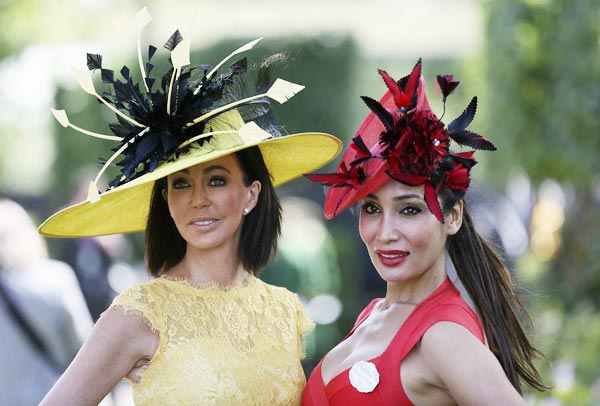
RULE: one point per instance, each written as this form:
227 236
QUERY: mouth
203 222
391 257
391 253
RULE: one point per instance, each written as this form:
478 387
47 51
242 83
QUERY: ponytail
488 282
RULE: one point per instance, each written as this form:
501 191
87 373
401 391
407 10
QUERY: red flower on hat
404 92
352 177
431 140
351 174
423 141
446 84
457 178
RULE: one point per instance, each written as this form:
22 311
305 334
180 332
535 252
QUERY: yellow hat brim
125 208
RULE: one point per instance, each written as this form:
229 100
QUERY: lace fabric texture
236 346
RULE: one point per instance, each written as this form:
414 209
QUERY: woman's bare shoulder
128 328
465 367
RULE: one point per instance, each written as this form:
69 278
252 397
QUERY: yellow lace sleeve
304 324
139 301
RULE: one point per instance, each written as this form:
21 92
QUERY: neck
415 290
222 266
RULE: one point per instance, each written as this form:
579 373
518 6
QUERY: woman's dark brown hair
487 280
260 229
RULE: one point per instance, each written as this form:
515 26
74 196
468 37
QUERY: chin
393 276
398 280
396 274
203 242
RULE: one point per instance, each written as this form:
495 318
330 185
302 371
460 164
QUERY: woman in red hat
422 343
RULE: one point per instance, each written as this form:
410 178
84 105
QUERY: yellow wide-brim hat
189 116
125 208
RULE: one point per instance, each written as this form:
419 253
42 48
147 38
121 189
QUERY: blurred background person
92 258
43 316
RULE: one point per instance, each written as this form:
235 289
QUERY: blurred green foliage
543 73
543 104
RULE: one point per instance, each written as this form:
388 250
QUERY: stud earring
246 211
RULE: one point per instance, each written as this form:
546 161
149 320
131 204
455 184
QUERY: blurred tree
544 90
543 106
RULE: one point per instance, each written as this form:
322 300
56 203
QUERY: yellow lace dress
235 346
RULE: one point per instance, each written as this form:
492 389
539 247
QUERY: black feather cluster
162 133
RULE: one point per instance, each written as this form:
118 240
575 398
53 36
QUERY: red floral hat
402 139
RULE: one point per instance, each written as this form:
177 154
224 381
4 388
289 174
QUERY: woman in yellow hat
422 343
198 175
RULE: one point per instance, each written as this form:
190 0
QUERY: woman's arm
463 366
116 343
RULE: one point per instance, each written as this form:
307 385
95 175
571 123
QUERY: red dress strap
418 325
364 314
447 305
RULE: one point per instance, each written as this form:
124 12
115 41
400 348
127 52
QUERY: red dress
444 304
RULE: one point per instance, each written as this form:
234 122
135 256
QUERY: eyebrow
400 197
208 169
216 168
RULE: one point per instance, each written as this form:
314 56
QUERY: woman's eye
180 184
217 181
410 210
370 208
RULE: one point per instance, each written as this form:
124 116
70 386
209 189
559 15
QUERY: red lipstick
391 258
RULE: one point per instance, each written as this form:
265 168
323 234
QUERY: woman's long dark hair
261 228
487 280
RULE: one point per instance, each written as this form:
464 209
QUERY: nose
387 230
199 198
